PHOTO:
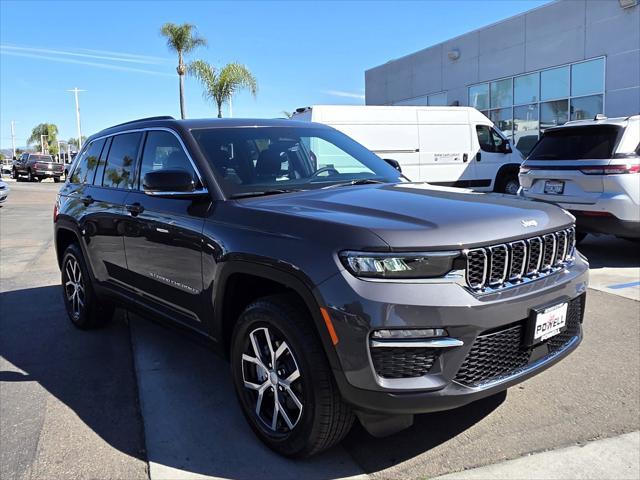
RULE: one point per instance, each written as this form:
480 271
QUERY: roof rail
161 117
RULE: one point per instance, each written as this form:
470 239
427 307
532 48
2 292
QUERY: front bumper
464 315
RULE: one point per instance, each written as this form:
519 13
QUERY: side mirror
506 147
394 163
170 183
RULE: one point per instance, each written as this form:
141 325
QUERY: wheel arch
64 237
503 171
263 280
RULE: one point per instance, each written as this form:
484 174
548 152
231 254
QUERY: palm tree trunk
183 114
219 109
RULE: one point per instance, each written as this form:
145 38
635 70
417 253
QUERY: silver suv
592 169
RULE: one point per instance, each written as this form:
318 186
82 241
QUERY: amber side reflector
329 324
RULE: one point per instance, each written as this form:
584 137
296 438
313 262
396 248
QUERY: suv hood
409 216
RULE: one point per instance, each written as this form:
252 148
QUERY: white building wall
562 32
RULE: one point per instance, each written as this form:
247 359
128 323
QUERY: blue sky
302 53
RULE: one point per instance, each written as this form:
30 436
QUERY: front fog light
408 334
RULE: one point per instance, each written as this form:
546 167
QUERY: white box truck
449 146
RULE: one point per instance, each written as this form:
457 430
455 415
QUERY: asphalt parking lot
136 400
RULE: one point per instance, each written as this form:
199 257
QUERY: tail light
55 211
611 170
524 170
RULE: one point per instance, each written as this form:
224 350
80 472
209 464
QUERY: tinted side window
163 150
485 138
119 171
87 163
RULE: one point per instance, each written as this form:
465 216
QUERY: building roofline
465 34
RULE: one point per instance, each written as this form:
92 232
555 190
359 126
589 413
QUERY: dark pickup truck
36 167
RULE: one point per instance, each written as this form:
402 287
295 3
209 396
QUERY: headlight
399 265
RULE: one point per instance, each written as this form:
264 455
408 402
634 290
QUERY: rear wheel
56 179
14 174
30 176
283 380
508 184
84 308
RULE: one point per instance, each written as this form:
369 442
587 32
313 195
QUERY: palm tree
221 86
181 39
287 114
45 136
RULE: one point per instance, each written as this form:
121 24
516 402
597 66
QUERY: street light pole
76 91
13 138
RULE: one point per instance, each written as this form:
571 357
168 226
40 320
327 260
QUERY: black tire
56 179
508 184
324 418
89 311
30 177
14 174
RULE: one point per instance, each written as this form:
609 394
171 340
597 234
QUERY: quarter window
119 171
162 150
87 163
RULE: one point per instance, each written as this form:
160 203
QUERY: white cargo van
451 146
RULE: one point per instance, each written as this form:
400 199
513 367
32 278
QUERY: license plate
554 187
549 322
49 166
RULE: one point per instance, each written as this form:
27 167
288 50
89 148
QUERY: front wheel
14 174
30 176
283 380
509 184
84 308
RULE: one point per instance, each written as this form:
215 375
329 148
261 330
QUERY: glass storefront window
586 108
554 83
479 96
587 77
502 120
525 127
526 88
554 113
502 93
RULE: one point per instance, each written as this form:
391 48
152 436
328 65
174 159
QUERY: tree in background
45 136
73 141
221 86
181 39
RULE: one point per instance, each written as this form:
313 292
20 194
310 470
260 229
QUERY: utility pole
76 91
13 138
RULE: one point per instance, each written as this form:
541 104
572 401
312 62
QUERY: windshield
592 142
274 159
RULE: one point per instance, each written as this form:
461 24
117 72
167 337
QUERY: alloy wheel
74 287
512 187
272 381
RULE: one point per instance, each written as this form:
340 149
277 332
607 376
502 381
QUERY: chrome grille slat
497 266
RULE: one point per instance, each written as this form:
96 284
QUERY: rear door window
590 142
87 163
121 161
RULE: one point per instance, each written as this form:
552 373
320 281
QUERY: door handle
87 199
465 158
134 208
478 156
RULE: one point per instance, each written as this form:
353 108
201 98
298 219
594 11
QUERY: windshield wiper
359 181
261 193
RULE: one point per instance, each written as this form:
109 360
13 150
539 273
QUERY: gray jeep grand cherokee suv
336 288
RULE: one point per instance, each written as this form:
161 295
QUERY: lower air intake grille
403 362
498 353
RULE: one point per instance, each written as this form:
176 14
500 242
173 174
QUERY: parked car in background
4 191
447 146
592 169
335 287
6 165
37 167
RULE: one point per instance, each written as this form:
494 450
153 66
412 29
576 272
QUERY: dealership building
570 59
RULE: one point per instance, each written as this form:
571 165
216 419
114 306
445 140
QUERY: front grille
499 353
498 266
403 362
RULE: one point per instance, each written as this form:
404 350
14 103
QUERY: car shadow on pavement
158 395
608 251
89 372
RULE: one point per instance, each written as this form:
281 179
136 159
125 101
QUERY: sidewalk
616 457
